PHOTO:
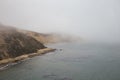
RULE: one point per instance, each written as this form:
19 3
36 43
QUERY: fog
93 20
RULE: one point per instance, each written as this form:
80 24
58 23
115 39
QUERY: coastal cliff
14 43
51 37
17 44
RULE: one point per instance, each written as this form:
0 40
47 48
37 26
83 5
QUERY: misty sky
91 19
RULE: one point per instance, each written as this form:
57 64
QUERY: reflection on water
73 62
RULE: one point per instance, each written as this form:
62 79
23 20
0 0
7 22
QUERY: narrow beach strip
25 56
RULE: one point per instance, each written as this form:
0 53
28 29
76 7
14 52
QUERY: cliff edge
14 43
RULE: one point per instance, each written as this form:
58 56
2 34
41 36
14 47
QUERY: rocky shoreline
16 45
25 56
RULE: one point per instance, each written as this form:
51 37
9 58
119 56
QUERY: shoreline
25 56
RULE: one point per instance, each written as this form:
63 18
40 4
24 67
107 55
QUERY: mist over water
92 28
95 21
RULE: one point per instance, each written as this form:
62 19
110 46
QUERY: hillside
43 38
50 37
14 43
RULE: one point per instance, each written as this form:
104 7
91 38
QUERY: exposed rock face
14 43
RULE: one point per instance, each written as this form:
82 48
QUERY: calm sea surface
74 62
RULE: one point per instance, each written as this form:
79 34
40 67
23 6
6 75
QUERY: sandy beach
25 56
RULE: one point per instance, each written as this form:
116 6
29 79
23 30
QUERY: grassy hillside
14 43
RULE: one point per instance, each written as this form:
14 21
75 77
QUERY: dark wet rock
61 49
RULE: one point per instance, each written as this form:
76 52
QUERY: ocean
71 61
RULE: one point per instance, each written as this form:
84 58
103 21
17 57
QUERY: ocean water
74 62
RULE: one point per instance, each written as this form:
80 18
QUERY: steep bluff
14 43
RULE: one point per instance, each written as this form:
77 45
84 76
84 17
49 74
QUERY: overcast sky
91 19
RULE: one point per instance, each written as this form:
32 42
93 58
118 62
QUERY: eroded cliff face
14 43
